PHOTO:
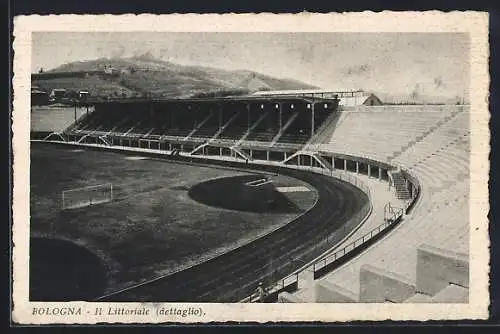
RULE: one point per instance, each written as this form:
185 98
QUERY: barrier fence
334 260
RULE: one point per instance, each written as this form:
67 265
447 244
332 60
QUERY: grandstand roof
306 91
246 98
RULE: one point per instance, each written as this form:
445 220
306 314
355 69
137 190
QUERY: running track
235 275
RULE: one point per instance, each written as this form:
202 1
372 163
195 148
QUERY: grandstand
256 121
414 157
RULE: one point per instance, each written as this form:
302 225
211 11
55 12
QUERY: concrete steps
402 191
424 135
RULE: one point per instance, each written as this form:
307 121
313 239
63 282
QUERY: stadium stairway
400 185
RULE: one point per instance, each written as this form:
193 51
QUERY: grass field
154 225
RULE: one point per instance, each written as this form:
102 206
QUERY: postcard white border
474 23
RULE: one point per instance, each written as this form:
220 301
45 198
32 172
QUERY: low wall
379 286
326 292
286 297
352 250
437 268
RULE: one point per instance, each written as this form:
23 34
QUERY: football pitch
164 216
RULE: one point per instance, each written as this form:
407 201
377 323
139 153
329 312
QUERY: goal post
86 196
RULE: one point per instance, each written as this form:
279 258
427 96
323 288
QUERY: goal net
87 196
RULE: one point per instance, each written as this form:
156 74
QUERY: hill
144 74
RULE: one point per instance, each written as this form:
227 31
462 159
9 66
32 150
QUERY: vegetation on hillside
146 76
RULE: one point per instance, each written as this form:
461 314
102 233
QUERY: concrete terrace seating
440 161
443 157
262 132
233 132
237 128
53 119
380 134
206 132
293 138
208 129
319 119
454 131
233 124
440 224
262 136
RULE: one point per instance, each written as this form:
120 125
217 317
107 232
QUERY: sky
398 63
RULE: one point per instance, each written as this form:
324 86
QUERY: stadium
293 196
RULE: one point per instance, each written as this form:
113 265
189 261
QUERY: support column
267 155
312 119
311 161
379 173
170 146
369 171
285 155
280 105
220 116
149 144
333 162
251 154
345 164
357 167
298 160
249 121
220 151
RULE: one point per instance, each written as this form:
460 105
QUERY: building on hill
110 70
57 94
83 95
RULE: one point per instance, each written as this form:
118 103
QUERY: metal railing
338 257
